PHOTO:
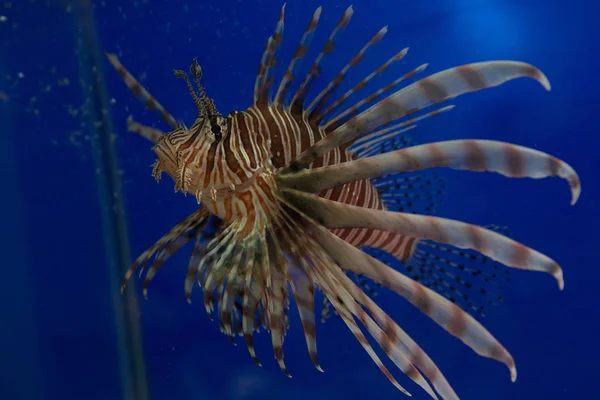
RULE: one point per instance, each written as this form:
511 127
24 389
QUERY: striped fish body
230 173
290 134
290 189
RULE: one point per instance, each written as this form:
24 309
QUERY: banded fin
411 192
443 312
193 221
148 132
297 103
211 270
255 287
238 312
279 301
327 309
350 302
465 277
238 309
304 294
511 253
299 54
269 61
140 93
340 119
369 286
333 107
506 159
415 193
369 144
348 309
230 291
164 254
434 89
316 106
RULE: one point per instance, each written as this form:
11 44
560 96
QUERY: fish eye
216 129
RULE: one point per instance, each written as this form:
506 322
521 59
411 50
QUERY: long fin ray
269 60
346 307
140 93
147 132
434 89
333 107
465 277
336 120
321 99
297 104
473 155
446 314
460 234
299 55
193 219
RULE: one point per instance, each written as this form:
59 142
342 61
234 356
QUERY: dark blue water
58 335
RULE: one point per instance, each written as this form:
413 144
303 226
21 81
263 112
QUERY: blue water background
57 333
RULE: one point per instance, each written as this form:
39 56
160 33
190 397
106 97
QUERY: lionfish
293 192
